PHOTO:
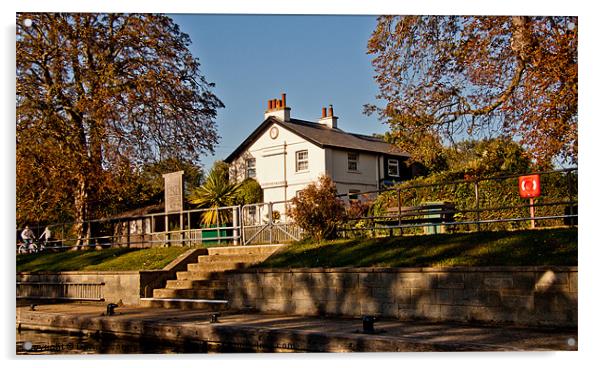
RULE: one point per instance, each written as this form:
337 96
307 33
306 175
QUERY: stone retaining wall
533 296
125 286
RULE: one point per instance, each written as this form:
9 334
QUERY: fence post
128 233
270 220
570 189
477 206
182 231
399 207
167 243
235 225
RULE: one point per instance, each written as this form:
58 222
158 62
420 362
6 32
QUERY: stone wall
517 295
125 286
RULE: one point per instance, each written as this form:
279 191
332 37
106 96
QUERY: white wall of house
364 179
275 163
276 167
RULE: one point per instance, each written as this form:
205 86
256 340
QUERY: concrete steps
191 284
195 275
204 305
239 258
203 286
216 266
265 250
190 293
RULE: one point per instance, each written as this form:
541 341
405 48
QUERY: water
31 342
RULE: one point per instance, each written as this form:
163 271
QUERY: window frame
356 161
299 161
389 166
353 194
248 168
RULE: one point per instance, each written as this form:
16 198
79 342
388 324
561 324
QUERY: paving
286 333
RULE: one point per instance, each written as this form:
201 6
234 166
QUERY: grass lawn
504 248
112 259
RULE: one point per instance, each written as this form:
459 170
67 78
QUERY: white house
285 154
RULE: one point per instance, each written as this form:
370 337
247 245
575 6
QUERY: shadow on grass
68 260
518 248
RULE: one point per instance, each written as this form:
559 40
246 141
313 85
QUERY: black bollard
213 318
368 324
111 309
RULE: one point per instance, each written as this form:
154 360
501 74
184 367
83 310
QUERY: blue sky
315 60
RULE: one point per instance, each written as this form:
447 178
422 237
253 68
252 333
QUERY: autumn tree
446 77
147 183
99 95
317 209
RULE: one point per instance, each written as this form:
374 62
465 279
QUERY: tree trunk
81 197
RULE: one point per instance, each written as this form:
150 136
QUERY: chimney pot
270 104
323 112
330 110
284 100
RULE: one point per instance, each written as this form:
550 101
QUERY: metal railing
181 228
268 223
464 205
60 291
489 203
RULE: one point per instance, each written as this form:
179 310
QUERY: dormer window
393 167
352 161
250 168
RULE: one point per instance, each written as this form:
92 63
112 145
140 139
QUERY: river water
31 342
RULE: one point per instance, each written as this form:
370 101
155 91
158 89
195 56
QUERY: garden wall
534 296
125 286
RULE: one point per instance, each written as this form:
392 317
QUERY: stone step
189 293
215 266
198 275
193 284
196 304
240 258
245 249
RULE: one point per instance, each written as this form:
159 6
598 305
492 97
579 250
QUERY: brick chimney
328 118
278 109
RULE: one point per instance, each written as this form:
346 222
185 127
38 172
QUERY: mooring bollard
111 309
368 324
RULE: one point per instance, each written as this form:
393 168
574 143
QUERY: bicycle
28 248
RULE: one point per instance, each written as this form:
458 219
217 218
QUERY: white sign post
174 197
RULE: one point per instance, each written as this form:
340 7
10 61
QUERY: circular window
274 133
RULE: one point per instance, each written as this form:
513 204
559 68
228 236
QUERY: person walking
46 235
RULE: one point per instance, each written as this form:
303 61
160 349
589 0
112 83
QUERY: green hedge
493 193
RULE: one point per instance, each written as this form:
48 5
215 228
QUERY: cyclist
28 236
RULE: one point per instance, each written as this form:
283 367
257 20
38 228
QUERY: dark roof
322 136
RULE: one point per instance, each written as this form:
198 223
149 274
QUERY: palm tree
216 191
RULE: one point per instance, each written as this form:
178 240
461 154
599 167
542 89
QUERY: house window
302 162
352 160
251 173
353 194
393 167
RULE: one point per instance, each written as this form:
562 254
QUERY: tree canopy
445 77
98 97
